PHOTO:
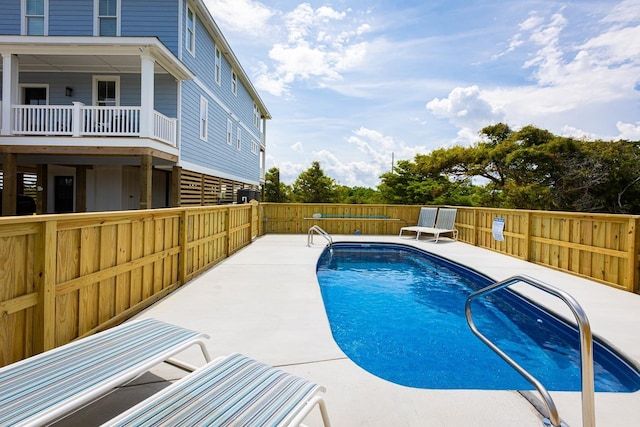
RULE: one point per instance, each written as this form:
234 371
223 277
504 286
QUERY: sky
359 84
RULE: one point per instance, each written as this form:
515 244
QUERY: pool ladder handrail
586 347
321 232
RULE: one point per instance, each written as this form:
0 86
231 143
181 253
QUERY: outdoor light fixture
68 91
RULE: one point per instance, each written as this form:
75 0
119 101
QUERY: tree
313 186
274 190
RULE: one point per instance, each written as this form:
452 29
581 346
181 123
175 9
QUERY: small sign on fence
498 229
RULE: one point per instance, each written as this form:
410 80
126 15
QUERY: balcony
80 120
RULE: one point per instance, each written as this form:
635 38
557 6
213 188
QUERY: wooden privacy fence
597 246
68 276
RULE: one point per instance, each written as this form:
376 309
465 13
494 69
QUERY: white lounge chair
230 391
445 225
427 219
42 388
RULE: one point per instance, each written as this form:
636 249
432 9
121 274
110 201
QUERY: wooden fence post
527 236
633 284
227 224
44 332
184 245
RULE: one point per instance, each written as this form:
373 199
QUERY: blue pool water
398 312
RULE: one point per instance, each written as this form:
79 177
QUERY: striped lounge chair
230 391
43 388
445 225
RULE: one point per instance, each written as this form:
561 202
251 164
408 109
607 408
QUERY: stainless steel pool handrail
321 232
586 347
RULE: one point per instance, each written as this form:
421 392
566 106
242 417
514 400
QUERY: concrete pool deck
264 301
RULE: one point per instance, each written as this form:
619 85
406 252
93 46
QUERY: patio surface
264 302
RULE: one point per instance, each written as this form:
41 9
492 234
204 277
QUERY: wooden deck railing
67 276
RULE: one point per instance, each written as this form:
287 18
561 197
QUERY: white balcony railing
82 120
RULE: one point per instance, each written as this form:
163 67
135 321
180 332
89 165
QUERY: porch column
10 184
147 65
9 90
146 181
42 188
176 186
81 188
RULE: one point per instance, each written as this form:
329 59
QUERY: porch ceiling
82 63
91 54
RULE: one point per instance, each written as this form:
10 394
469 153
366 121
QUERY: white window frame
25 18
190 33
239 139
256 116
218 66
22 86
234 83
229 131
96 79
254 146
97 18
204 118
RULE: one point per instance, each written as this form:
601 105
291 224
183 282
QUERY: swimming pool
398 312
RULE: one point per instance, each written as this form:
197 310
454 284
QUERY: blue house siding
152 18
10 18
70 18
215 153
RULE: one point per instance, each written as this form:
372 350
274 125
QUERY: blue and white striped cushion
234 391
29 389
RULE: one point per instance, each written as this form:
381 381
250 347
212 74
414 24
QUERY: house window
35 95
256 116
35 17
191 31
107 17
234 83
254 147
204 117
229 131
106 91
239 139
218 66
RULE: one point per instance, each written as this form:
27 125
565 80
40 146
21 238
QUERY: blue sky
353 83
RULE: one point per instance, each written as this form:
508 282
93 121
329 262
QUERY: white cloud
567 78
629 131
320 45
466 107
246 16
297 147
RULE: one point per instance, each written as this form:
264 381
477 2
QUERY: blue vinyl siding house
123 104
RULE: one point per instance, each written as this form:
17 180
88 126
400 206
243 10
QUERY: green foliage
529 168
274 190
313 186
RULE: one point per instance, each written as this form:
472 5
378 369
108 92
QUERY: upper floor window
191 31
107 17
254 147
35 17
218 66
204 118
239 139
229 131
256 115
234 83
